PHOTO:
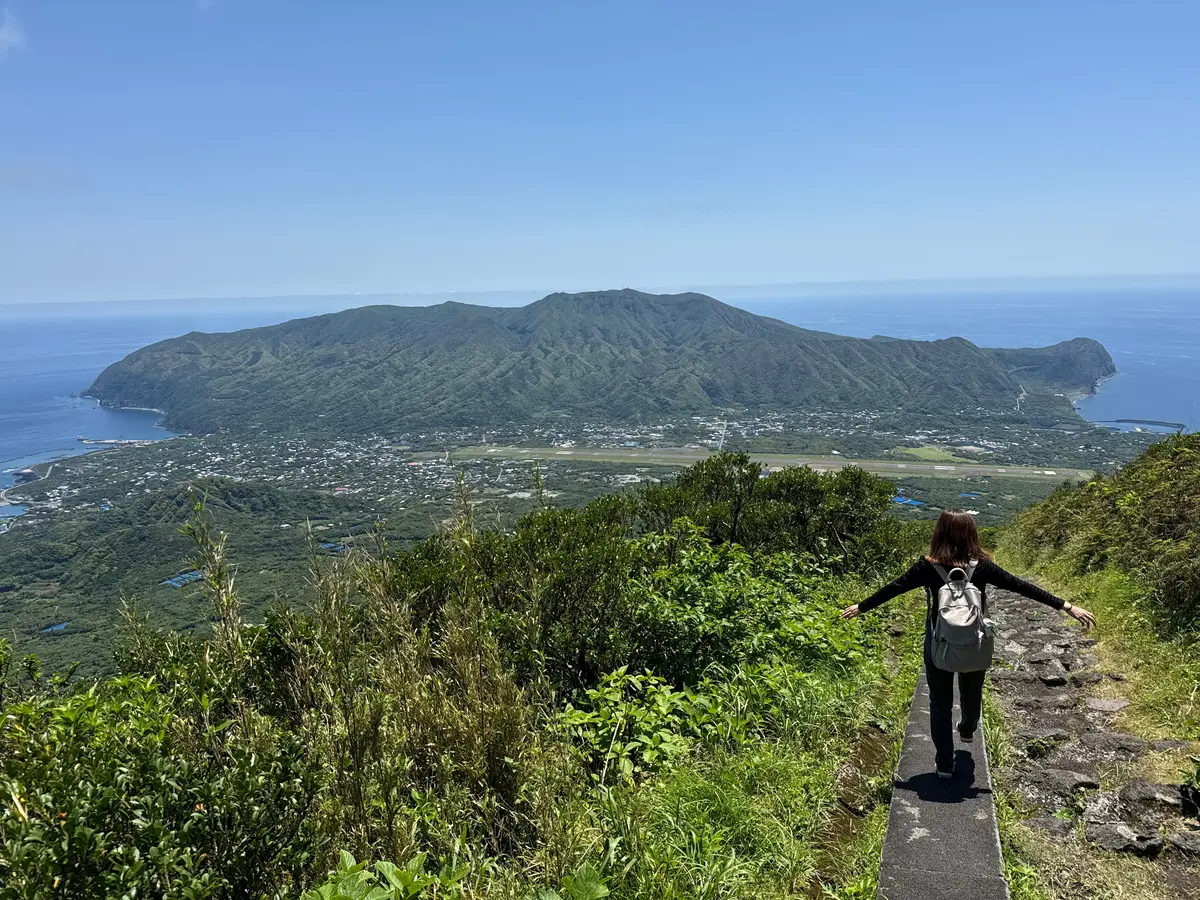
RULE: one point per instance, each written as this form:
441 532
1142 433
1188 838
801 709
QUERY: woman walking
956 545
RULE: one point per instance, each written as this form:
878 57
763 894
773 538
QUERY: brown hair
956 540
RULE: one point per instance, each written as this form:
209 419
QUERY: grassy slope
753 808
1122 546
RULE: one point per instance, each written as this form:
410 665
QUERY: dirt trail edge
942 840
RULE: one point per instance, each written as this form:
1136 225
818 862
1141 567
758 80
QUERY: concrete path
942 840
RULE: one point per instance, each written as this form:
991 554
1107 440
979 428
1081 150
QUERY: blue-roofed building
178 581
56 629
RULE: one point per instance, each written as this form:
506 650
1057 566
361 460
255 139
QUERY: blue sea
48 357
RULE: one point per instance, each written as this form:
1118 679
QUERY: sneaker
945 776
967 737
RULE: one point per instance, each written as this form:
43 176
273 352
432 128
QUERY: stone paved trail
1068 747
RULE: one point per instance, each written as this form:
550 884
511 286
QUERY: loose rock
1047 654
1164 746
1120 838
1113 743
1103 809
1063 781
1012 675
1106 704
1082 678
1186 842
1053 673
1167 797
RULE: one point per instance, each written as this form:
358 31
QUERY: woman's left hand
850 612
1082 615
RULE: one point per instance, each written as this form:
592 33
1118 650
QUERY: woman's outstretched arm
1005 580
906 582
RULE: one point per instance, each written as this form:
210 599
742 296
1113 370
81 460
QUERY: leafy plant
386 881
634 724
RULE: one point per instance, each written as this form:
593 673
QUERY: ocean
47 358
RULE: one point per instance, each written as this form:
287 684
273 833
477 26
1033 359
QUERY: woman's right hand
1081 615
850 612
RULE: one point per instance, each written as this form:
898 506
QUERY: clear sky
183 148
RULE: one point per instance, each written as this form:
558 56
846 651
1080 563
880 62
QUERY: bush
111 793
1141 521
610 699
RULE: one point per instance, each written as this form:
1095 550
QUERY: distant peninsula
617 355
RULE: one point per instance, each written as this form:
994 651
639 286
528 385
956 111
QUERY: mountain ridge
616 355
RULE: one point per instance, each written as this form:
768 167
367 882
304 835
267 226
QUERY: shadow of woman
927 785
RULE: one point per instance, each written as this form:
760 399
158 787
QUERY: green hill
617 355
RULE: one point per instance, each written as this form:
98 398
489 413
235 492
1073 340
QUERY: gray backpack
962 638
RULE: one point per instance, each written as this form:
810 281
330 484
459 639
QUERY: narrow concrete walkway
942 840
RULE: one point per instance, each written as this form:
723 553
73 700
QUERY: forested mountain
617 355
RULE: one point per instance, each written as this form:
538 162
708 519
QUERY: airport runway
684 456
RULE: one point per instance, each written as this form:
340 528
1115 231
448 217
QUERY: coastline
1076 397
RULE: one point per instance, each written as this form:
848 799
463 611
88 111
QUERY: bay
47 358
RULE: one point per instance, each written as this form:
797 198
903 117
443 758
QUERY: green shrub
1141 521
617 699
110 793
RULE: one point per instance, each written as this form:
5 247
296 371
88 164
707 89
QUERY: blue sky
175 148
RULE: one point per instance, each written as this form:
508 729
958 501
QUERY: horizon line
981 284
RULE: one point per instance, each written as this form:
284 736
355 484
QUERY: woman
956 544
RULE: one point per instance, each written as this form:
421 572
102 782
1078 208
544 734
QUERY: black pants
941 706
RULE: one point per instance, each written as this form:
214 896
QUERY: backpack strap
969 570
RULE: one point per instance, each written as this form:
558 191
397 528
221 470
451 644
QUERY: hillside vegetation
1140 522
616 355
649 697
75 571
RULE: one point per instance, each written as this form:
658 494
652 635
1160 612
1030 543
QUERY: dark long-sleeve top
922 574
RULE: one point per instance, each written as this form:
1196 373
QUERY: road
16 487
684 456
